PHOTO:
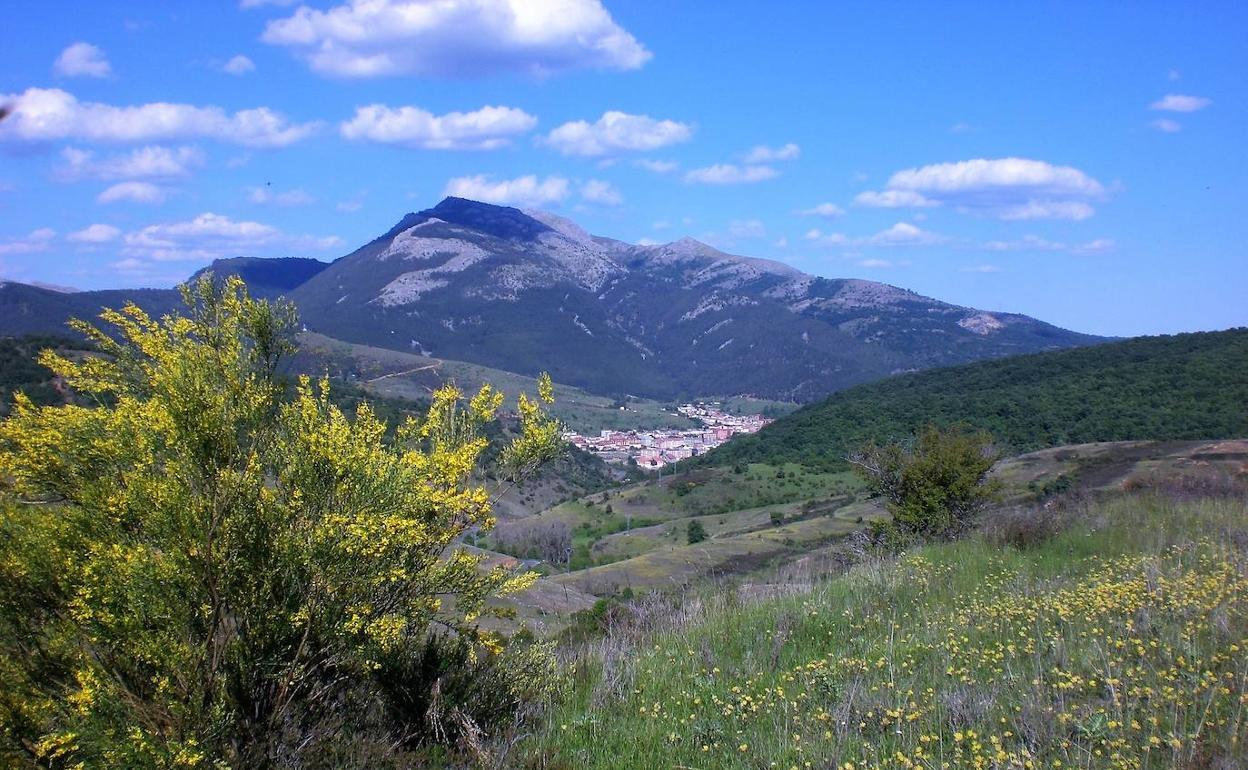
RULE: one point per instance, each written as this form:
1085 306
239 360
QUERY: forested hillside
20 371
1185 386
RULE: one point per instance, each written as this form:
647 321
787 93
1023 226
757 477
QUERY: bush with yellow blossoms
208 567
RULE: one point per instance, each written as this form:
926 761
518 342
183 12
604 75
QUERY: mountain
29 309
1185 386
267 277
526 291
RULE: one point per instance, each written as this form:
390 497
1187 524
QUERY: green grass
633 521
703 492
1121 642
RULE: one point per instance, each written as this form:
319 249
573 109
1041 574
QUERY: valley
771 523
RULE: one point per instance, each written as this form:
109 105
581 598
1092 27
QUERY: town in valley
655 449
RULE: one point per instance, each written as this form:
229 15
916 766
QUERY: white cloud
1180 103
296 197
893 199
875 263
819 237
238 65
485 129
647 242
51 114
657 166
782 242
963 128
764 154
981 269
349 207
1096 246
151 162
1173 75
1008 173
1035 243
457 38
129 265
522 191
729 173
616 132
900 234
135 192
248 4
903 234
1041 209
1166 125
1007 188
82 60
747 228
825 210
95 234
212 236
598 191
36 240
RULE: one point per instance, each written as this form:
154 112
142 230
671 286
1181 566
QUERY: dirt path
426 367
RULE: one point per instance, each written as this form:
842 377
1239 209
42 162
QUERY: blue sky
1084 163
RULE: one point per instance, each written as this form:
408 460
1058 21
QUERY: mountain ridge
527 291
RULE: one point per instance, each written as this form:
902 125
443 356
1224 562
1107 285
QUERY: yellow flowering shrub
209 566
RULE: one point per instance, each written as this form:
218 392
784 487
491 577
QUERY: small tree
696 533
207 568
935 485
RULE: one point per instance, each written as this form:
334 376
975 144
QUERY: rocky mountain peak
523 289
497 221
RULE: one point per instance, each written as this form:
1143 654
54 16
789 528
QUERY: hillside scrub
207 569
1184 386
1119 641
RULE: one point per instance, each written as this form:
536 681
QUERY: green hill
1186 386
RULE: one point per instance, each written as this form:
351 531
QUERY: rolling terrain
1107 632
632 540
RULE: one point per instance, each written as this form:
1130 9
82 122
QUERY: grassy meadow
1117 639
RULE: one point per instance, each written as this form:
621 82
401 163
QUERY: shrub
442 691
935 485
1194 484
550 541
696 533
1025 527
220 566
1050 487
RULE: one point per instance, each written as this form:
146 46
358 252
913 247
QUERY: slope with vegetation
1109 632
1186 386
20 371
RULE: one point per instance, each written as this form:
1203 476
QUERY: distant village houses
656 449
